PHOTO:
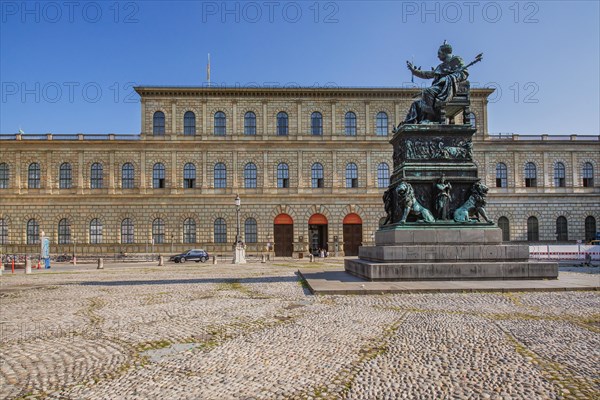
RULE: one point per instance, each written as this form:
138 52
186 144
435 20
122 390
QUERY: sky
70 66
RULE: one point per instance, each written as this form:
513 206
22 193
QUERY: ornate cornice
266 92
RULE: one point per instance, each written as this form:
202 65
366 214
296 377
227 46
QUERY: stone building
310 166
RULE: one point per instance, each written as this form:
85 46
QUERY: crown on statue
446 48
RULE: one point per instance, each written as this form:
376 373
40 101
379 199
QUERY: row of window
250 175
530 174
250 230
282 121
128 231
189 176
562 229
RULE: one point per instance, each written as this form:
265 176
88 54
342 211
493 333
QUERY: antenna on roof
208 70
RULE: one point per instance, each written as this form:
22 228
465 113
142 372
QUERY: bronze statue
446 78
443 198
475 205
410 204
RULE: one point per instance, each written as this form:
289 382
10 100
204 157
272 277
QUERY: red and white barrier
567 252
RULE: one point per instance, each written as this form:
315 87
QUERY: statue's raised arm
418 73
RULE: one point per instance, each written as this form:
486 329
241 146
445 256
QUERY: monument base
446 251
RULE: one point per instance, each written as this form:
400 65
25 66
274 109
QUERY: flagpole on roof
208 70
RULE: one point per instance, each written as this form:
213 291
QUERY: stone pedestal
239 254
446 251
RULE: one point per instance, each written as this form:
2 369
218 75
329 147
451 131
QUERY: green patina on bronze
434 177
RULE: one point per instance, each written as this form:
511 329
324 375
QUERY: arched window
3 231
158 124
96 176
533 231
4 176
351 175
588 175
189 123
282 124
250 176
95 231
562 231
381 128
220 176
559 174
158 231
64 231
317 180
33 176
158 176
473 119
220 123
220 231
189 231
350 123
283 176
383 175
33 232
189 176
250 231
127 231
316 124
504 225
127 176
590 228
501 175
65 176
250 123
530 175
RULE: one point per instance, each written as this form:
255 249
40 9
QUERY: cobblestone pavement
202 331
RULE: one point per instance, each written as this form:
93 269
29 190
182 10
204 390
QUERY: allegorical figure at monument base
443 199
446 78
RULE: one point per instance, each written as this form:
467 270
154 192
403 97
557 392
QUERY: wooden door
284 240
352 239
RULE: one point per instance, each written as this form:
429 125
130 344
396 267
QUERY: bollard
100 263
161 261
214 259
263 259
27 265
74 260
312 258
38 265
13 265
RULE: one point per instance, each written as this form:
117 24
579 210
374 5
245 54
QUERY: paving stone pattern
255 332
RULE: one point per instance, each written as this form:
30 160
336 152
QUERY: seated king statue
446 78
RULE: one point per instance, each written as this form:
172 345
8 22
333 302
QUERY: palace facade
310 167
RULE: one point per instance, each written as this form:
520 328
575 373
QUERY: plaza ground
204 331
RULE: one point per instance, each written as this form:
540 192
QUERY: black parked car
191 255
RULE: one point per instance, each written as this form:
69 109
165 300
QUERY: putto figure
446 78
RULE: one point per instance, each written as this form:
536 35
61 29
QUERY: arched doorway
283 231
352 234
317 233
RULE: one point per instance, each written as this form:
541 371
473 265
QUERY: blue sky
68 67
